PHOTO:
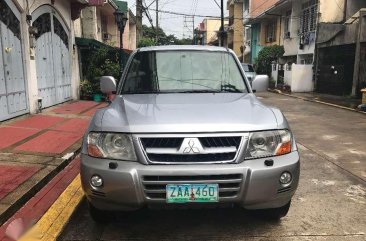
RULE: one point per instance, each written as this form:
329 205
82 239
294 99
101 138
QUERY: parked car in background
249 71
185 129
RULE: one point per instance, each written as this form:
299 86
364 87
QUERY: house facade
206 32
235 30
39 57
323 43
98 22
252 29
38 61
341 48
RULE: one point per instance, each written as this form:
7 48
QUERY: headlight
111 145
268 143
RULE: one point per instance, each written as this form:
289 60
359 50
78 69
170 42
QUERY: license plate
184 193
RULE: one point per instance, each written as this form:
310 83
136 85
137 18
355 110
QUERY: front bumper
124 187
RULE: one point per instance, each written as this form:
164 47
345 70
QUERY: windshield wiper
230 88
139 92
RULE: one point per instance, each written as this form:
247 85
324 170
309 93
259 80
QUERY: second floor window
309 14
271 32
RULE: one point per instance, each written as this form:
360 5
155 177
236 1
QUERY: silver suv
185 129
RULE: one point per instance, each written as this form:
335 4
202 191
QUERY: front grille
161 142
178 150
191 158
220 141
155 186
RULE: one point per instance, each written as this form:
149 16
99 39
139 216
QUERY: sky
175 24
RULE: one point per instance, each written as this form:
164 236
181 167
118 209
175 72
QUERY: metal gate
331 79
52 56
335 70
13 96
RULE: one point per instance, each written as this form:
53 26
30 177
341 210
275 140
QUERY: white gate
13 96
52 56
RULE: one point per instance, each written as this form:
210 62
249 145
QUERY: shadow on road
147 224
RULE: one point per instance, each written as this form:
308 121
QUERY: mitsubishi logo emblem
191 146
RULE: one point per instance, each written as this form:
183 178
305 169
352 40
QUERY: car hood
187 113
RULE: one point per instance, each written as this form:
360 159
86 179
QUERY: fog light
96 181
285 178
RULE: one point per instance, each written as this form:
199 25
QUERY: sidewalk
344 102
33 149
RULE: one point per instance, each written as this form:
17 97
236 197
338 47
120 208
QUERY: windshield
183 72
247 68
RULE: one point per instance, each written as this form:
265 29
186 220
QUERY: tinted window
183 71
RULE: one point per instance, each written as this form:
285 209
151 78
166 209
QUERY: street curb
51 224
315 101
36 188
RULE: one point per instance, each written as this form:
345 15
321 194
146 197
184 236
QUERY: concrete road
329 205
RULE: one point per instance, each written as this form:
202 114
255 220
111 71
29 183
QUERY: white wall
291 45
287 76
302 78
331 11
77 28
274 73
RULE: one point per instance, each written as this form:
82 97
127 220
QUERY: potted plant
86 90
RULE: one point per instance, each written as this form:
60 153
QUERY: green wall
255 42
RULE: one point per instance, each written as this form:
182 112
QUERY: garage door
13 97
52 56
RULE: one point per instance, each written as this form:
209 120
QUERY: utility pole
194 36
222 24
356 68
188 25
157 23
138 20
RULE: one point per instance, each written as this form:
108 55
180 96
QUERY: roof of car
184 47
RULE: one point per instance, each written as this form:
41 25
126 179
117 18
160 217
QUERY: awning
272 12
92 43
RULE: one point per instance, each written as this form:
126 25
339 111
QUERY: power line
217 4
206 16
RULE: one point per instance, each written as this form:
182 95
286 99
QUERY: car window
183 71
247 68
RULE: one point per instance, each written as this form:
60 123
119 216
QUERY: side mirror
260 83
107 84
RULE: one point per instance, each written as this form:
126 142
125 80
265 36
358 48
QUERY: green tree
149 38
265 58
97 62
184 41
145 42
